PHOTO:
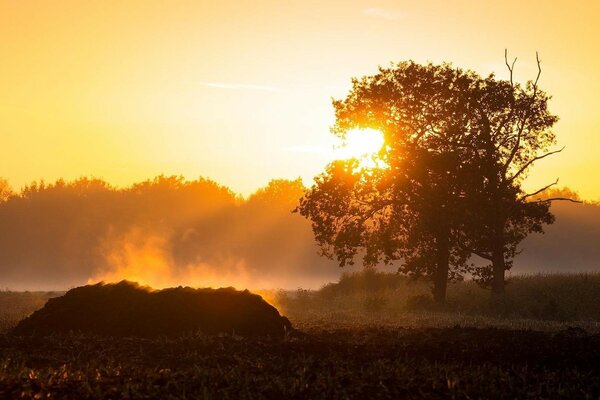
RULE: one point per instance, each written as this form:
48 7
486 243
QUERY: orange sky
240 91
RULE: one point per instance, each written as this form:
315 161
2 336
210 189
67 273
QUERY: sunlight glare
360 143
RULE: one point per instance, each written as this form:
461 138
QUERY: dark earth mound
127 309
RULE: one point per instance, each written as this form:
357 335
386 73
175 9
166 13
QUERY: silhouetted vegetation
5 190
375 296
448 182
66 233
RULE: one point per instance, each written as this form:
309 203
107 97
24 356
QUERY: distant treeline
62 234
57 235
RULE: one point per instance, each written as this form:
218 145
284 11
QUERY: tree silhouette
63 233
410 206
512 126
448 183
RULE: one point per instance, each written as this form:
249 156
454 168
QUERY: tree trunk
440 278
498 268
498 261
497 221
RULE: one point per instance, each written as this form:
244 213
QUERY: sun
360 144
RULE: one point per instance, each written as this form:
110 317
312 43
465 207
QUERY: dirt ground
362 362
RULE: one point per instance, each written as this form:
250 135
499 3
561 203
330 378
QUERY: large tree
448 179
408 205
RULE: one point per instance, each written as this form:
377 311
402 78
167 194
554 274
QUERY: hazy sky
241 91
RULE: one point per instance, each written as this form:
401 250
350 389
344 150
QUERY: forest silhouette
162 231
63 234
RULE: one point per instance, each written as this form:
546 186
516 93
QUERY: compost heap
128 309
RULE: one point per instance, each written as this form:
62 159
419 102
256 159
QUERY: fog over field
168 231
571 244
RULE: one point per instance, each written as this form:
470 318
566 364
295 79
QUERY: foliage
393 209
5 190
446 182
61 234
512 131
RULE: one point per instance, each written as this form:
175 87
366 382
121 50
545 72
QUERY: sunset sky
240 91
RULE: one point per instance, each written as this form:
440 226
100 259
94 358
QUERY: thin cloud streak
310 149
382 13
240 86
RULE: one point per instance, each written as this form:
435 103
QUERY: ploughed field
338 361
365 337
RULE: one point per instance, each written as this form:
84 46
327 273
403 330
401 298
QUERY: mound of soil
127 309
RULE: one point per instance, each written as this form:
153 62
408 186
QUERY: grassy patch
375 295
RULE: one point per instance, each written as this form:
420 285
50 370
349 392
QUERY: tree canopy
5 190
447 181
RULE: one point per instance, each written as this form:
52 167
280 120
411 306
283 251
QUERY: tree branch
558 199
527 164
513 152
486 256
539 65
526 116
550 198
540 190
511 67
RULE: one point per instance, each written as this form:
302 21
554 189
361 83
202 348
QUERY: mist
168 232
161 232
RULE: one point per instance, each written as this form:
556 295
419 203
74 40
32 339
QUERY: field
352 342
534 301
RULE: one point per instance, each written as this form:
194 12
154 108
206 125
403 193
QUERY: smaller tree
513 130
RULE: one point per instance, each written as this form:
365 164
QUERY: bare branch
558 199
550 198
540 190
539 65
524 167
525 117
515 149
511 67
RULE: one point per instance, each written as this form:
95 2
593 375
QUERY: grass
541 300
368 336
